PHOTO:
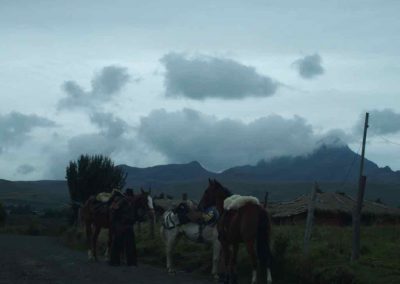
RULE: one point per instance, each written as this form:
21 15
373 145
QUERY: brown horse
242 220
96 215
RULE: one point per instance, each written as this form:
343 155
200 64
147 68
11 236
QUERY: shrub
3 215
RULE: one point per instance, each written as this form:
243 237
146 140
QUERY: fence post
310 218
266 199
152 223
355 253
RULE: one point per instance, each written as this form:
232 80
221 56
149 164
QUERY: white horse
171 230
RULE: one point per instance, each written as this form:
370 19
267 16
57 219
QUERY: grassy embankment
328 261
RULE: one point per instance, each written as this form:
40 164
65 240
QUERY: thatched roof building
334 208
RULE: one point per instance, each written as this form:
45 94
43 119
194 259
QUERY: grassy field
328 261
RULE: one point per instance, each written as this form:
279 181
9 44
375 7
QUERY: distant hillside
163 174
336 169
326 164
40 194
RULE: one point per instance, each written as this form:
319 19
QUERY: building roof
329 202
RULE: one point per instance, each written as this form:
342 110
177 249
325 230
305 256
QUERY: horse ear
209 181
141 190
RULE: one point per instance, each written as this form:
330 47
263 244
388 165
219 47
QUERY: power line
388 141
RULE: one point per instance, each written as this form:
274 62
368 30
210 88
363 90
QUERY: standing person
123 237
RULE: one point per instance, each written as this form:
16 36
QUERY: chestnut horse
96 215
245 222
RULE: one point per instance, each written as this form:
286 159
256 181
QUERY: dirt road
27 259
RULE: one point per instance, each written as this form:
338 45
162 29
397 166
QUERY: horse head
144 205
214 195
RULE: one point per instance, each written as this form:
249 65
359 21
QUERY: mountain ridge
335 168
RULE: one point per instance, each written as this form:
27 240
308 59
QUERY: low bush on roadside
3 215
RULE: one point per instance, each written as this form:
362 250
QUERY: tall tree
90 175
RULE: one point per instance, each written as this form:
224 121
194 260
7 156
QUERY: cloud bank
25 169
381 122
309 66
189 135
15 128
105 84
203 77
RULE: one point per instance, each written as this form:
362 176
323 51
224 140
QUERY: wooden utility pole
310 218
355 254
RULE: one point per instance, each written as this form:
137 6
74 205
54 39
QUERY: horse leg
232 264
107 252
94 241
88 227
226 253
253 257
152 223
215 258
171 236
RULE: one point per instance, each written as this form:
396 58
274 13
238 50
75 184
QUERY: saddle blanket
236 201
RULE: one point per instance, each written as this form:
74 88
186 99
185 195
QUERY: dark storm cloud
221 143
309 66
15 127
202 77
105 84
25 169
109 125
381 122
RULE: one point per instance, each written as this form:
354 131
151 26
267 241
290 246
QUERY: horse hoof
171 272
90 255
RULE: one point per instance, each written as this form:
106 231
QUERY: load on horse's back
95 215
198 226
113 210
243 220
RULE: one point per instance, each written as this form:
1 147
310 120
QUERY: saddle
186 215
105 197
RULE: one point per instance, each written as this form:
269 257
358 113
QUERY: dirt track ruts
28 259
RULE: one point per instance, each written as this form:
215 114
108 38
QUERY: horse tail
263 242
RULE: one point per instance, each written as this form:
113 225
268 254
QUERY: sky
225 83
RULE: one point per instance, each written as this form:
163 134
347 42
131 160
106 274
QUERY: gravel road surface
29 259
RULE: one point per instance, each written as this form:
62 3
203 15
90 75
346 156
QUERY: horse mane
223 188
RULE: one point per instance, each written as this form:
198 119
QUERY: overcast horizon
223 83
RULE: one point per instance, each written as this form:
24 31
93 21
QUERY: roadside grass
328 260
